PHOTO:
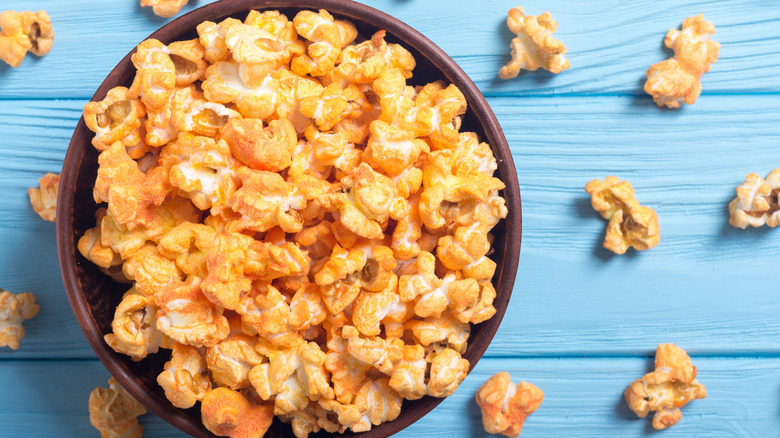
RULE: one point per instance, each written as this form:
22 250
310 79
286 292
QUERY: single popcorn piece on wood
164 8
228 413
114 412
534 47
756 202
677 80
21 32
44 198
505 406
671 386
14 309
630 225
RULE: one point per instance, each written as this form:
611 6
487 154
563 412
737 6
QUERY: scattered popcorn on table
21 32
671 386
114 412
756 203
164 8
308 232
678 79
630 225
44 198
534 46
14 309
505 405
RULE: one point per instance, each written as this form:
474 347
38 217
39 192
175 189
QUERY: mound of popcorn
22 32
304 230
165 8
666 389
505 405
14 310
677 80
534 46
114 412
756 203
630 224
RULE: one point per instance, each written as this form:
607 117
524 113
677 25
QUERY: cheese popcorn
534 46
756 203
164 8
298 219
114 412
671 386
630 225
505 405
678 79
14 309
21 32
44 198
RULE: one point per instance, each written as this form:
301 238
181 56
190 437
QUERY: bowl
93 296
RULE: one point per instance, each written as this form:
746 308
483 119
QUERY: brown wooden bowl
94 296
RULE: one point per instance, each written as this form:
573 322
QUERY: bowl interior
94 296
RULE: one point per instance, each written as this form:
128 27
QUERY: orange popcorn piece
448 369
444 328
14 309
187 317
327 37
408 378
377 402
44 198
150 270
185 377
534 45
278 25
115 118
266 148
392 150
193 113
341 264
266 200
156 77
362 63
252 45
482 309
266 311
630 225
226 412
678 79
21 32
227 81
134 330
231 360
432 295
326 109
347 372
505 406
188 245
164 8
671 386
443 106
466 251
114 412
212 38
756 202
187 57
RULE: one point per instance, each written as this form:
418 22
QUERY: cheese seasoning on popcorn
305 231
756 202
22 32
534 46
15 309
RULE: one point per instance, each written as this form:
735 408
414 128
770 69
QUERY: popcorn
187 57
231 360
187 317
466 251
115 118
444 328
252 45
327 36
44 198
228 81
377 402
150 270
24 31
432 295
629 223
134 326
448 369
212 38
756 202
505 406
671 386
534 45
185 377
193 113
678 79
114 412
391 149
266 200
164 8
156 77
188 245
372 308
364 62
14 309
326 109
226 412
443 106
408 378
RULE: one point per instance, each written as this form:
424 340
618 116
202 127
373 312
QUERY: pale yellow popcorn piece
188 245
377 402
756 203
630 225
114 412
164 8
90 245
362 63
393 150
252 45
44 198
671 386
448 369
185 378
231 360
408 378
266 311
370 309
327 36
347 372
505 406
432 295
21 32
677 80
14 309
228 81
534 47
156 77
226 412
212 38
134 328
115 118
465 250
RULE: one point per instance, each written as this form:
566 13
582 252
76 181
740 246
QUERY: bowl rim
348 9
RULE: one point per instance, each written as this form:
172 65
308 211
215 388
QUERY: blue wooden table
582 323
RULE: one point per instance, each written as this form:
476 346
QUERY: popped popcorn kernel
756 203
327 37
505 405
448 369
226 412
677 80
21 32
114 412
164 8
667 389
185 377
115 118
44 198
534 46
630 225
15 309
